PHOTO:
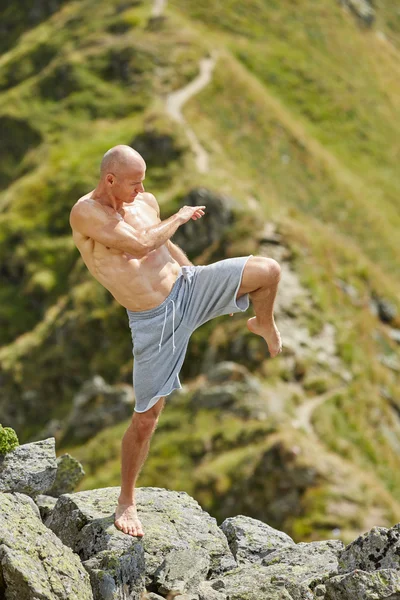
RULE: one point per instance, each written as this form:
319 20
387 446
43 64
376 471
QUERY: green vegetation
8 439
300 118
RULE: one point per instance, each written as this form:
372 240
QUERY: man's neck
102 197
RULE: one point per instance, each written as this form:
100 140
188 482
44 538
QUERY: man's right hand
190 212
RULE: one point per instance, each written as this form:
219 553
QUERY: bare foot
270 334
126 519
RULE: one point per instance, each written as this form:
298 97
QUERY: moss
8 439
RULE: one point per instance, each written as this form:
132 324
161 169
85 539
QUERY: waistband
135 315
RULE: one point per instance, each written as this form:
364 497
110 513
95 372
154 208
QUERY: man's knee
271 269
146 421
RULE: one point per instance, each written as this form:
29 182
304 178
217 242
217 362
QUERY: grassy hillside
299 123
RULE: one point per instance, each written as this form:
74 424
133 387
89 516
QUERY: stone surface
198 236
363 9
304 565
361 585
182 570
34 563
29 468
96 406
69 473
232 387
251 540
378 548
253 582
45 505
212 590
172 521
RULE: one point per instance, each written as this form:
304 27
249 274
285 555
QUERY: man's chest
140 215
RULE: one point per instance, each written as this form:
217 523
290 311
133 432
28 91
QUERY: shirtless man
126 247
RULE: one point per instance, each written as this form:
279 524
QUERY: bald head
122 172
120 160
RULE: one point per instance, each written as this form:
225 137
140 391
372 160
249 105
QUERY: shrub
8 439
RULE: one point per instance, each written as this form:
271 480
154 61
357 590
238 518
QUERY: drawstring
173 326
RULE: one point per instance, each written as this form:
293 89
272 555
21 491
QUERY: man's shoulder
150 199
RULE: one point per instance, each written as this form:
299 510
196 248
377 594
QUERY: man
125 245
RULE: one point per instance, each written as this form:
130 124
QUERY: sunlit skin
143 282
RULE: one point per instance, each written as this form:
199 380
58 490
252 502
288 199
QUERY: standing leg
135 446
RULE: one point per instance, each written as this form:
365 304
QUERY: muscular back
137 282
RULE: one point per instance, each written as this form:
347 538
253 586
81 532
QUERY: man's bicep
108 230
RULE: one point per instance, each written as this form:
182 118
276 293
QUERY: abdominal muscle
137 284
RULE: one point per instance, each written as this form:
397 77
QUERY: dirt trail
304 411
176 100
158 8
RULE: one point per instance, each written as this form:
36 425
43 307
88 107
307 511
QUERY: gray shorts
160 335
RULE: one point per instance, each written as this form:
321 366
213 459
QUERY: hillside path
177 99
158 8
304 412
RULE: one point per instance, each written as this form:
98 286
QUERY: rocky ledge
57 544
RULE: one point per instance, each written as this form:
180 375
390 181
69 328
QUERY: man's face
128 184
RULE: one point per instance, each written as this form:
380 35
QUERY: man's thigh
212 291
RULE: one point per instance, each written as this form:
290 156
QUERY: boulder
230 386
29 469
378 548
253 582
198 236
182 570
250 540
362 585
173 523
69 473
34 563
96 406
305 565
363 9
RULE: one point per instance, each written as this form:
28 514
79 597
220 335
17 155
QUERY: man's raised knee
272 269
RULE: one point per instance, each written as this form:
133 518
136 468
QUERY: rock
117 573
252 582
157 148
29 468
212 590
97 406
362 9
348 289
45 505
304 565
186 597
198 236
362 585
384 309
182 570
251 540
395 334
69 473
228 371
34 563
378 548
231 387
172 521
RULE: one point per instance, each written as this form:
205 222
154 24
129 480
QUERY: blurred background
283 119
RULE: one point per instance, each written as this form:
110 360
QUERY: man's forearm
155 236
